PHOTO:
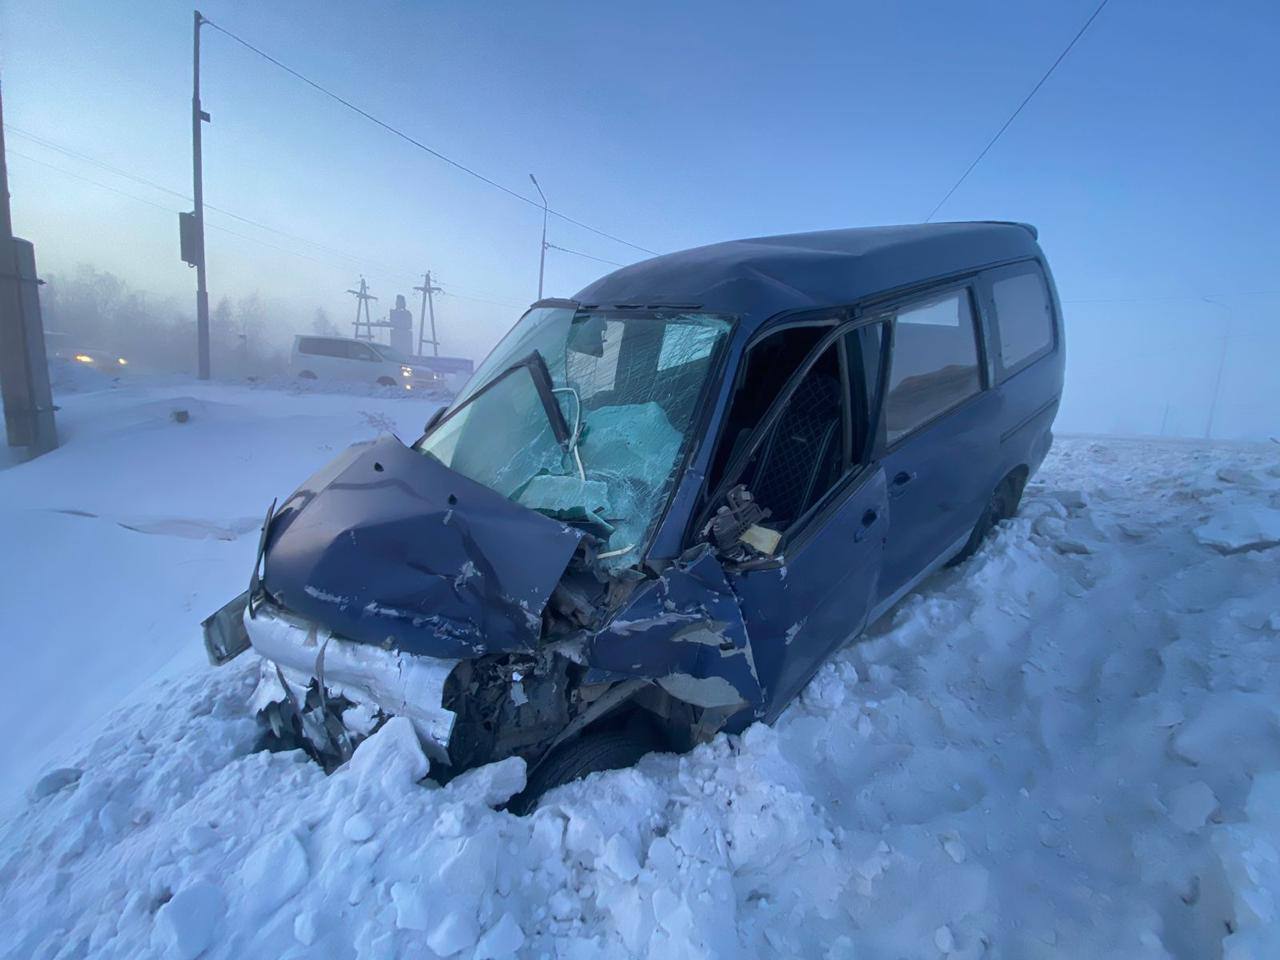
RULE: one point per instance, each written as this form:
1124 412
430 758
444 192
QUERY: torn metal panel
684 630
395 681
389 547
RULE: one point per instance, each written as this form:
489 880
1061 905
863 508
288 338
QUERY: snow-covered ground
1069 747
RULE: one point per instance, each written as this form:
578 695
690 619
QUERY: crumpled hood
387 546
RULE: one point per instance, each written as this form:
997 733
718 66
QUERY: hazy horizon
1142 160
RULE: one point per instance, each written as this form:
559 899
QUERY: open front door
819 598
807 464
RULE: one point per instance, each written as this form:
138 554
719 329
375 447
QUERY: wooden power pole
197 174
24 369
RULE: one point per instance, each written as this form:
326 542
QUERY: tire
386 382
1002 505
306 375
590 753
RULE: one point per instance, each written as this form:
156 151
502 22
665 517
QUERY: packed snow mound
1067 747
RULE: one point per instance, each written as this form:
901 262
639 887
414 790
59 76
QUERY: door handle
868 521
898 486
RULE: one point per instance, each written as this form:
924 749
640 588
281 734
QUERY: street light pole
1222 362
542 259
198 116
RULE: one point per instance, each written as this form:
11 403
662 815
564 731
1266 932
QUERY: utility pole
363 296
24 370
428 310
1222 362
198 116
542 258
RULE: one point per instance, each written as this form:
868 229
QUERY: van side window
803 455
310 346
358 351
1024 318
934 364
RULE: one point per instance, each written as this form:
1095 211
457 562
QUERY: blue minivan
657 508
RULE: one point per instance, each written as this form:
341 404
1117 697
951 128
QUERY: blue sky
1148 160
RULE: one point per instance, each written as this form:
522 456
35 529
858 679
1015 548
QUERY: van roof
758 278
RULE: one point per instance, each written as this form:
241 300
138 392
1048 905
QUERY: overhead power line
419 144
77 155
389 271
75 176
1013 116
585 256
160 206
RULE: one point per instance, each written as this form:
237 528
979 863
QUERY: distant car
345 358
61 346
658 508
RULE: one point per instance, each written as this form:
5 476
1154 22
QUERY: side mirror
434 419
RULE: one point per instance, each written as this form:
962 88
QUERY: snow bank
1068 747
117 544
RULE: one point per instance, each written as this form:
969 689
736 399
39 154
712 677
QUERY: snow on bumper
371 677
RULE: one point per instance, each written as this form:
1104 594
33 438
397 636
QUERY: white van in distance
344 358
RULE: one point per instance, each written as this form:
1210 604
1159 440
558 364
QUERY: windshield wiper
542 381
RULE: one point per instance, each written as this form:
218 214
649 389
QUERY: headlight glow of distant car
406 371
122 361
84 358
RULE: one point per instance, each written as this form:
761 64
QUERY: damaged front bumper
389 585
338 691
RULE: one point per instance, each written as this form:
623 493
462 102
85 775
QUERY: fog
1134 367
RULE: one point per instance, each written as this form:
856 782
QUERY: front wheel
590 753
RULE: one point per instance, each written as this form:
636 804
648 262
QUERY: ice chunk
274 872
1241 528
55 780
198 836
620 858
1191 805
304 927
454 933
410 905
185 925
392 757
492 784
944 939
358 828
501 940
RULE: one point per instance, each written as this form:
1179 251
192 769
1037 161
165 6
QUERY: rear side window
1024 319
934 364
321 347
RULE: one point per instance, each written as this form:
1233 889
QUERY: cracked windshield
624 387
